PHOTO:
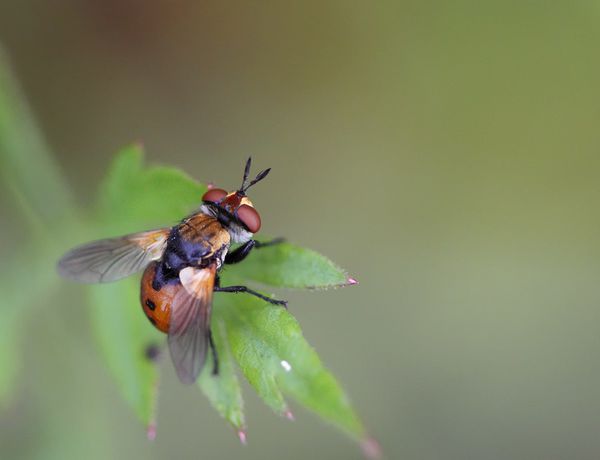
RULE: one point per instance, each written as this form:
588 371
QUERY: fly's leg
213 349
266 244
237 256
247 290
242 252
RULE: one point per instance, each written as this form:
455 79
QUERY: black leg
251 292
214 353
266 244
242 252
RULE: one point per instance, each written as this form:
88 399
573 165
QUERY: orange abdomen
157 304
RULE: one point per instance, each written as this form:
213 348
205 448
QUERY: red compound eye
214 195
249 217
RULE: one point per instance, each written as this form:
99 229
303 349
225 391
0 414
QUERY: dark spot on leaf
152 352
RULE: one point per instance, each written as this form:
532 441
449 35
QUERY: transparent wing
114 258
189 324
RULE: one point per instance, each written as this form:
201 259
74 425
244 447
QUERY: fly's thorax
197 241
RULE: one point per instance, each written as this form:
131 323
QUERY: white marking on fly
221 259
239 234
206 210
286 366
191 278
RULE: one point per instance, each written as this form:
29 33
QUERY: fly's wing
189 324
114 258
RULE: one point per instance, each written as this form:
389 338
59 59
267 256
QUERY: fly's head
234 210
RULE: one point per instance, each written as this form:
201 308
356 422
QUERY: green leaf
20 295
223 390
268 344
249 353
31 175
125 336
290 266
133 196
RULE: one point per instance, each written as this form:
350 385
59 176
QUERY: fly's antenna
246 172
260 176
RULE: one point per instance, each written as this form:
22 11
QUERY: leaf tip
371 448
242 436
289 415
351 281
151 432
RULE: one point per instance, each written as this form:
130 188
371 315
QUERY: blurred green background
445 153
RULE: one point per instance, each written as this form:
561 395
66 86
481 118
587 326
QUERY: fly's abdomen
157 299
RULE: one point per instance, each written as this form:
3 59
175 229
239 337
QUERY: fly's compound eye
214 195
249 217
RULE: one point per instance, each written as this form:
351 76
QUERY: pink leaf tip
289 415
351 281
242 436
371 448
151 432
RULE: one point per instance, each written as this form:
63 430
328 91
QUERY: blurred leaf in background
43 211
36 186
